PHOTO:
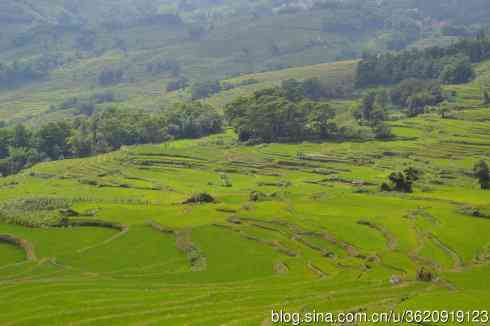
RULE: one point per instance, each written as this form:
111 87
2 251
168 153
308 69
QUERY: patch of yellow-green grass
329 73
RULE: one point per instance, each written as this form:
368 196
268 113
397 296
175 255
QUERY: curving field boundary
21 243
123 229
184 244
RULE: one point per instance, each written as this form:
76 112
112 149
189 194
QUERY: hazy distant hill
58 48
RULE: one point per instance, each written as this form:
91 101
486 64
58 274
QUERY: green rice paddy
320 237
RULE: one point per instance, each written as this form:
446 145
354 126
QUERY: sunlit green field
300 227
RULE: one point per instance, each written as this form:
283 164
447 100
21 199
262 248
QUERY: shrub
257 196
425 275
200 198
205 89
482 173
382 131
401 181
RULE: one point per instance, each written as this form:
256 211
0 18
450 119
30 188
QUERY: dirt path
21 243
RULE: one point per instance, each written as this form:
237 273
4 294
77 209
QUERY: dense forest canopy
103 132
451 65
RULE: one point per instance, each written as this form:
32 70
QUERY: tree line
105 131
85 105
297 111
14 74
411 94
269 117
450 65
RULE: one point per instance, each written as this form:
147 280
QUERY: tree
486 97
457 71
52 139
320 120
86 40
80 142
450 65
175 85
270 116
416 104
22 137
21 157
482 173
428 92
205 89
110 77
382 131
412 174
402 181
367 105
193 120
5 140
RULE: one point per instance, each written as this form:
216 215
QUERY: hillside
300 227
32 104
229 162
53 50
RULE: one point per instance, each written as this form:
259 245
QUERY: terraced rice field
300 227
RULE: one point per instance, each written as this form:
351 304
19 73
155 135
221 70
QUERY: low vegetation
451 65
102 132
293 189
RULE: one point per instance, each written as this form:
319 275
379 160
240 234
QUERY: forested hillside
145 49
208 162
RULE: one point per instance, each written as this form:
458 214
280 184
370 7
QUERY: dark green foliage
5 141
200 198
429 90
170 66
19 157
177 84
162 19
411 94
312 89
385 187
257 196
18 73
269 117
482 173
486 97
110 76
205 89
425 275
86 40
402 181
250 81
52 140
86 106
457 70
193 120
21 136
373 108
382 131
103 132
451 65
412 174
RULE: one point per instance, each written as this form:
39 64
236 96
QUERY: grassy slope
329 74
275 257
32 103
236 44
